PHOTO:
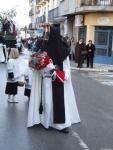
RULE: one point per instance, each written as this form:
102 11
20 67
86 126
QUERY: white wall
67 7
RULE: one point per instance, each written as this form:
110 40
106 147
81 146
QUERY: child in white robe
14 75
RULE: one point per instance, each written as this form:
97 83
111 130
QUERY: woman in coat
79 52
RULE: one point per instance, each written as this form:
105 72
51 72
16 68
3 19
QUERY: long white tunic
2 57
14 65
46 119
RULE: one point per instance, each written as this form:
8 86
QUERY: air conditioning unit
79 20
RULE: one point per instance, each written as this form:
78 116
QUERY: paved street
95 102
13 132
95 132
105 78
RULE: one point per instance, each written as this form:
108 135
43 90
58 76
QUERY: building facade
32 15
89 19
98 27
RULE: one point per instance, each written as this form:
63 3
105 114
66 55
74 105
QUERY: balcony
95 6
41 2
32 1
41 19
96 2
52 14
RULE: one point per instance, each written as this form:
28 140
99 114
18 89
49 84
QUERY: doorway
104 44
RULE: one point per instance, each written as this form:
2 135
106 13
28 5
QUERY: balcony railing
96 2
54 13
41 1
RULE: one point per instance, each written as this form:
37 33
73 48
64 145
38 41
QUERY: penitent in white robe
2 57
46 118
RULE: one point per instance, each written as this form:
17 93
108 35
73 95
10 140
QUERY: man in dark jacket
90 47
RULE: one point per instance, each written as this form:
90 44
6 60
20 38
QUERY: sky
22 8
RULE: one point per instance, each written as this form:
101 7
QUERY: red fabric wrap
60 76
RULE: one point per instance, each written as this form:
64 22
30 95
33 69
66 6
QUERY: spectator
13 75
90 47
79 52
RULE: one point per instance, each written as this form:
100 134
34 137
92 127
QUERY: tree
10 14
6 20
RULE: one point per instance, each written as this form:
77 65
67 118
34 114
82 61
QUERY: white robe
2 57
46 118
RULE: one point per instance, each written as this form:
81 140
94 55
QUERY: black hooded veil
58 52
56 48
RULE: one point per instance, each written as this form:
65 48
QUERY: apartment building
90 19
48 12
32 14
42 7
67 25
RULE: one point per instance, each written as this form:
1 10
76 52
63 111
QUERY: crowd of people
56 105
52 101
80 52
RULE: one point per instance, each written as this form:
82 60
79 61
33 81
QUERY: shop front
100 31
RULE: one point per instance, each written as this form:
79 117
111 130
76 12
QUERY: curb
110 70
90 70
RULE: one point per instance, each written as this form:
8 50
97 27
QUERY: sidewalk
97 67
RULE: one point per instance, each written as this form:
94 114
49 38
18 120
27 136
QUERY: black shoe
65 130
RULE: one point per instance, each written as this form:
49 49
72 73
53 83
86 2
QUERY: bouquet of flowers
39 60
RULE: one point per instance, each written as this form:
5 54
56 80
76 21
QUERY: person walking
28 82
13 75
72 48
19 44
79 52
58 99
90 47
3 55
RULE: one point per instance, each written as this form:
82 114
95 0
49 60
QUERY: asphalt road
95 132
95 103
